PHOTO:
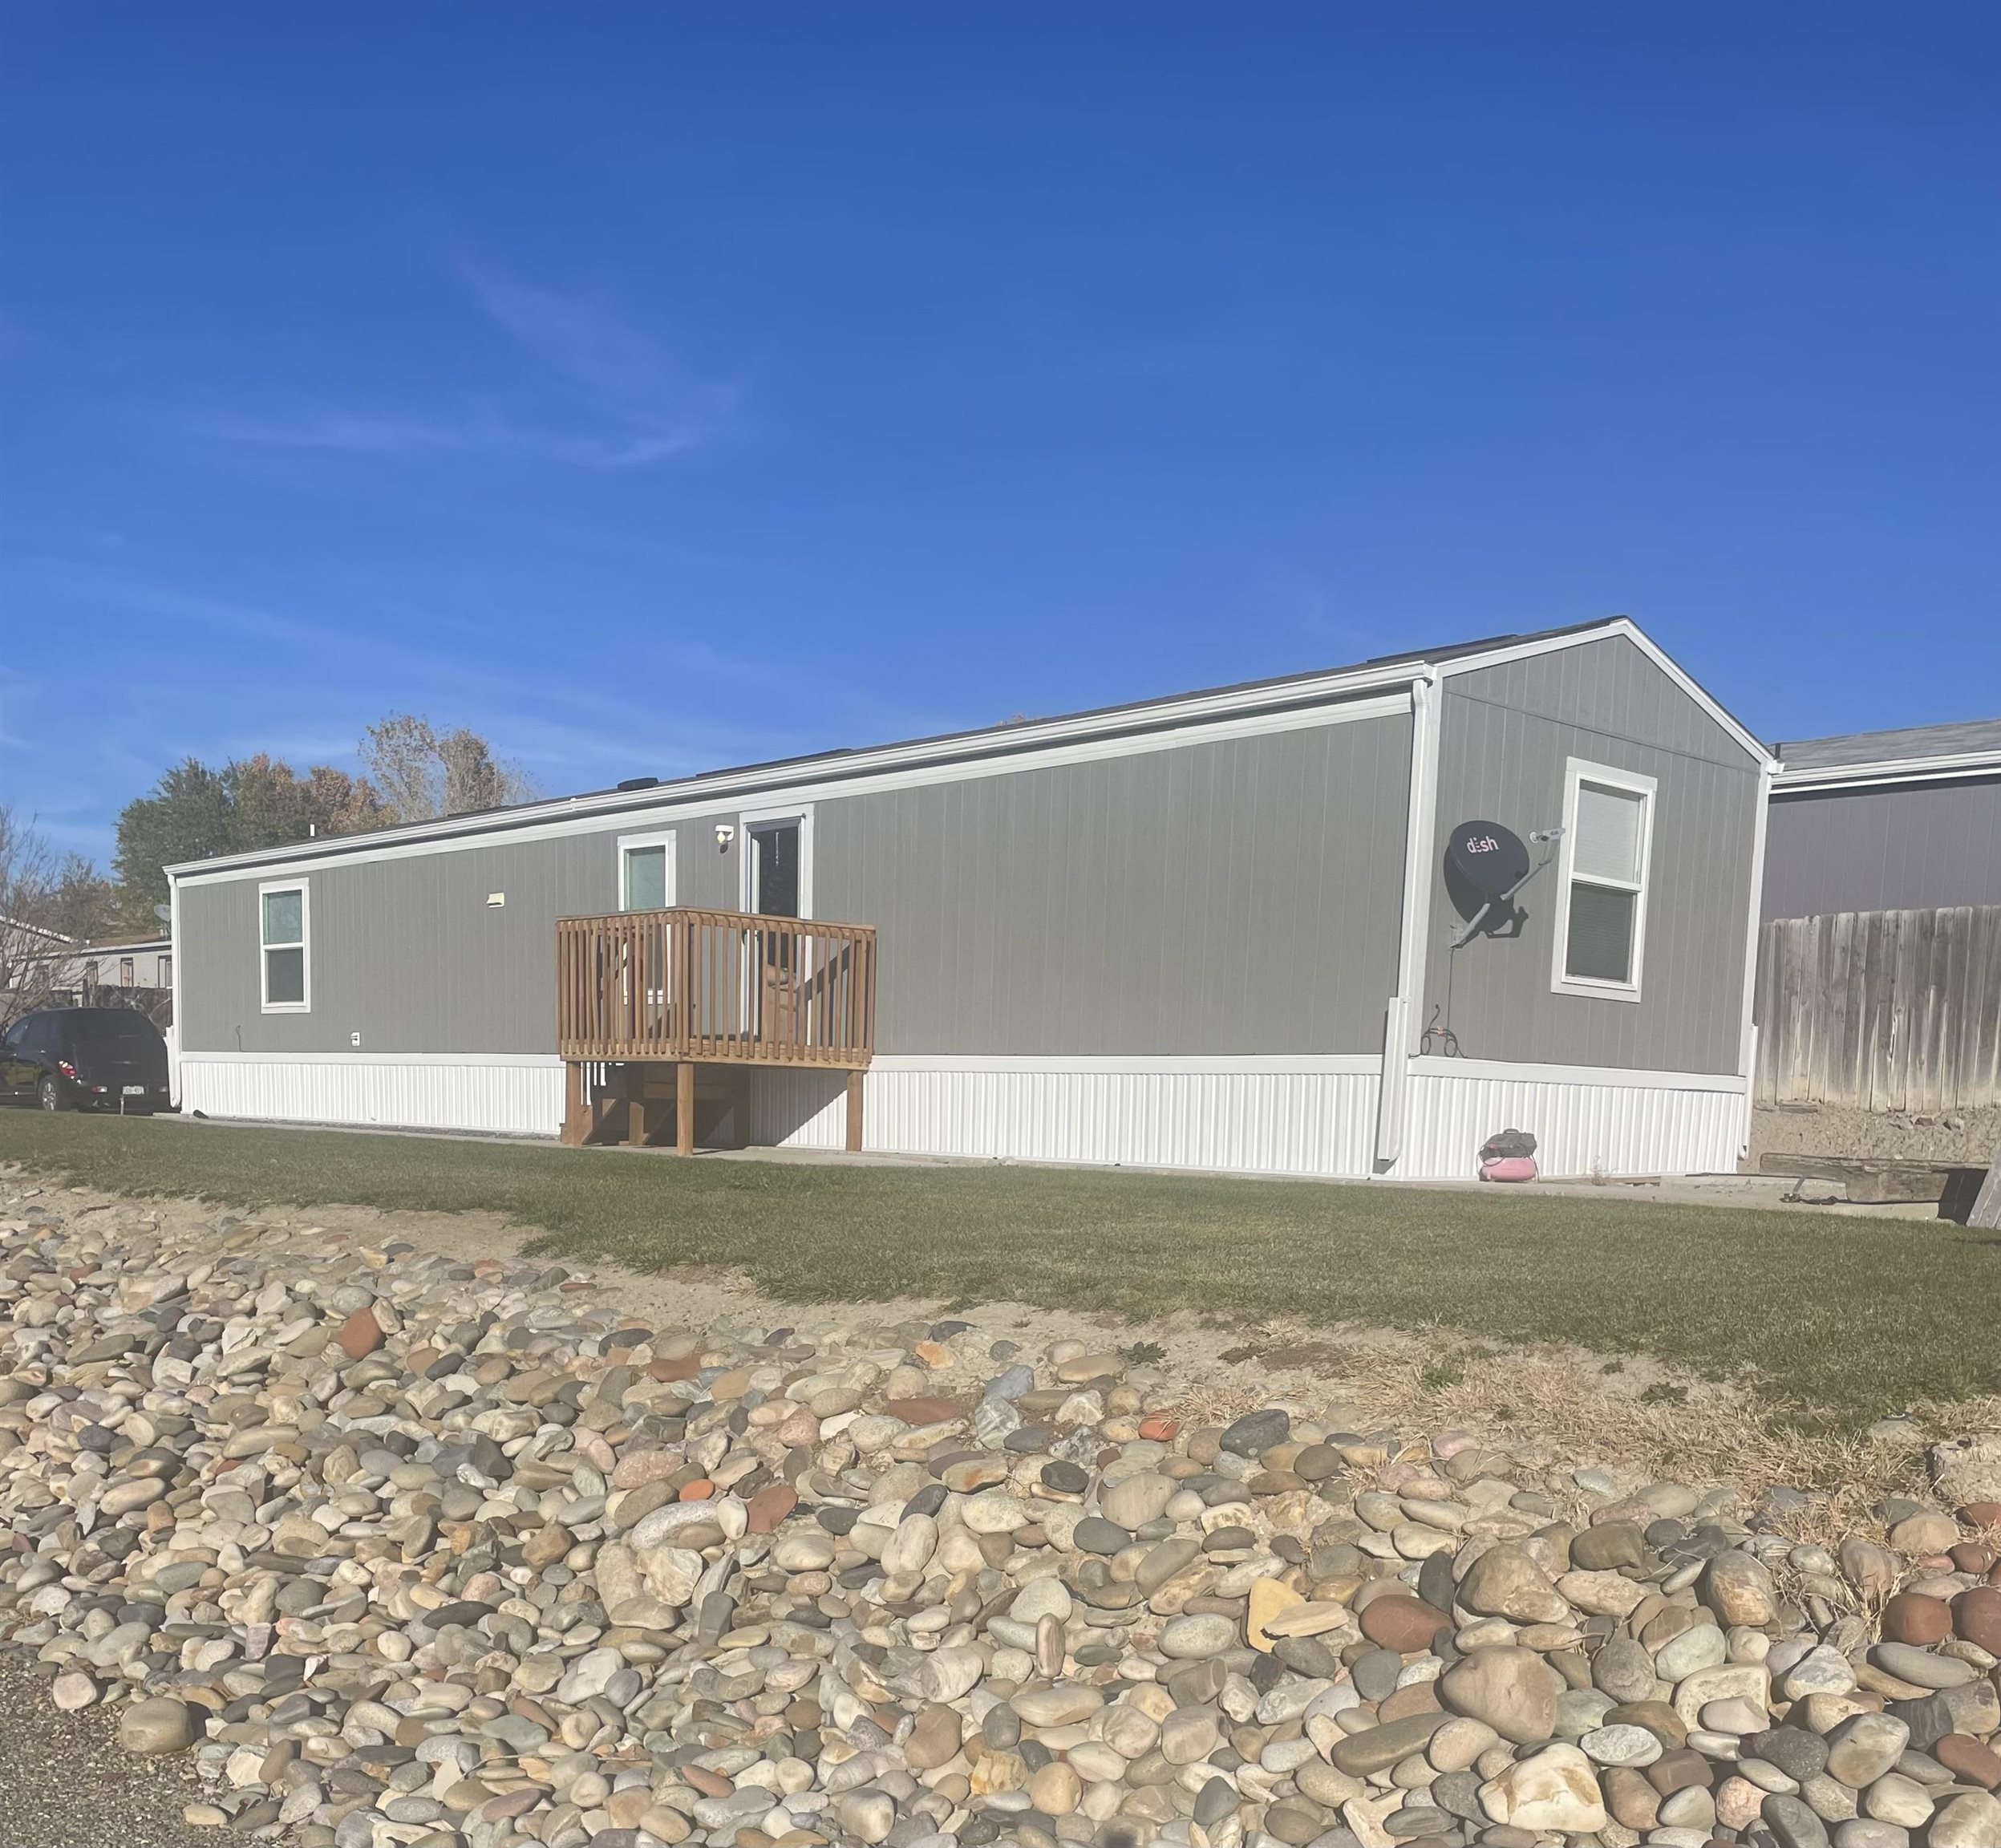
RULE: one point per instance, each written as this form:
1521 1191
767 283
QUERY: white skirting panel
491 1095
1280 1117
1585 1120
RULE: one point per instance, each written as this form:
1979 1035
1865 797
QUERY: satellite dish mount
1486 865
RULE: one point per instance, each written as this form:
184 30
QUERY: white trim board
772 799
549 1060
1054 1063
1059 1063
748 820
1591 1074
1577 772
1747 1029
1261 708
1413 948
665 838
304 1005
1889 770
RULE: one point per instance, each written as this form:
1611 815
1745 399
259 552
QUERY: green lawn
1854 1316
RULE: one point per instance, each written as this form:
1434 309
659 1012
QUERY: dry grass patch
1794 1331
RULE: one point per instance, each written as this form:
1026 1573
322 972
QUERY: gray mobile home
1217 931
1886 822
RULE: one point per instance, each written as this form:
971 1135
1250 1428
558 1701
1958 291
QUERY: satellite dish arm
1548 836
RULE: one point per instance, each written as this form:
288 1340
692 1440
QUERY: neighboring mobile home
1879 964
1886 822
1208 932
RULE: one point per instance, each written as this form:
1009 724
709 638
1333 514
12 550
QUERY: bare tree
33 963
423 773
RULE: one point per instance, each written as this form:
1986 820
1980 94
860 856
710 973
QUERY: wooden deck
655 1008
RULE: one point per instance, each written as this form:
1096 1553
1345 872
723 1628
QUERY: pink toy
1509 1167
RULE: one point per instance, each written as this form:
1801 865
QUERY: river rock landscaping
406 1550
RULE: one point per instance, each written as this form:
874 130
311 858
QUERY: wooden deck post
576 1105
855 1083
684 1108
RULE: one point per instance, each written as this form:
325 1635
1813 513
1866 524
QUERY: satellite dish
1483 862
163 913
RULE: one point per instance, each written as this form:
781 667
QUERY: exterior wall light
725 834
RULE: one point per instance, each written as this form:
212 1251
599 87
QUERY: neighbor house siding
1902 847
1506 734
1236 897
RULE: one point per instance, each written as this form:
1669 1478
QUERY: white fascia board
738 793
174 944
1503 1068
1885 771
780 781
1318 699
1146 1063
1365 1063
520 1060
1647 646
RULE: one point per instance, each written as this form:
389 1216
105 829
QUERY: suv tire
49 1094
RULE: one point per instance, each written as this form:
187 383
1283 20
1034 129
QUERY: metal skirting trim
490 1097
1581 1127
1268 1122
1278 1121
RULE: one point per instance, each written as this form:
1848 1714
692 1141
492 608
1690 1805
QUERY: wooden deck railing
726 987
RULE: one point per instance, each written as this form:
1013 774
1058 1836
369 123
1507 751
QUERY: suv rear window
117 1028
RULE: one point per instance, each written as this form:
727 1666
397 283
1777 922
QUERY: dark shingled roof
1914 741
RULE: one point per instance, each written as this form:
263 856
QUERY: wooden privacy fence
1881 1009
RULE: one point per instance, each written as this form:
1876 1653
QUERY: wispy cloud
476 433
598 392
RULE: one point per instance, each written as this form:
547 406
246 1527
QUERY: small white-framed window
126 968
1608 844
285 925
645 871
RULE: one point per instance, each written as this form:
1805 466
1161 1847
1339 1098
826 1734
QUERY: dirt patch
65 1781
1957 1137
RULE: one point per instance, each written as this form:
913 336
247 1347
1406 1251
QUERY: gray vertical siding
1913 846
405 951
1210 899
1506 733
1609 686
1239 897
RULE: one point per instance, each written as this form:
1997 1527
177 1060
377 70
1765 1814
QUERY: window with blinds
1608 829
284 923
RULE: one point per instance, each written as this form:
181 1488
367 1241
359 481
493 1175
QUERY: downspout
1748 1029
1420 832
179 1064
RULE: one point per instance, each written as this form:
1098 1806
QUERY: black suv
86 1058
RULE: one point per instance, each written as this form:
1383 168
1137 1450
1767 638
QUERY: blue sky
659 387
